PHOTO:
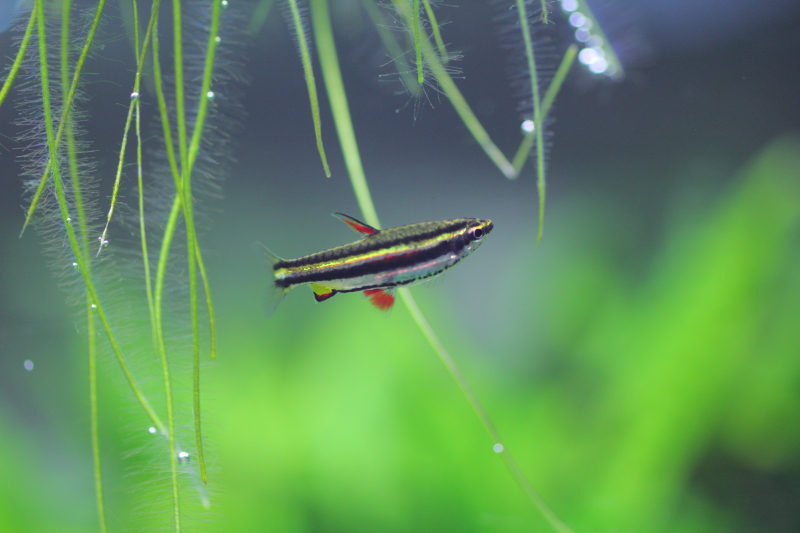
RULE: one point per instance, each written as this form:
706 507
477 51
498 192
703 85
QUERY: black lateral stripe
369 267
388 238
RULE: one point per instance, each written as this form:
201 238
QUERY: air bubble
210 95
527 126
577 20
75 265
217 38
104 243
569 5
224 3
497 448
582 35
587 55
599 65
134 95
152 430
184 458
94 306
69 219
28 364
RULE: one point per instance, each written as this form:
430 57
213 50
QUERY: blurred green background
642 363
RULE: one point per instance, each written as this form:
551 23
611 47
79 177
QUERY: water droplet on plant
134 95
497 448
152 430
28 364
224 3
217 38
184 458
210 95
75 265
69 219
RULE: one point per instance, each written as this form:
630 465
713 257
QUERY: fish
380 261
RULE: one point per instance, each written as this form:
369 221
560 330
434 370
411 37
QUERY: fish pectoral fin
356 225
322 293
380 298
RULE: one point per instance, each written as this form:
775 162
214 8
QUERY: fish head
476 232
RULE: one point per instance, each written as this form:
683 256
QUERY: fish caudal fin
321 293
380 298
356 225
275 293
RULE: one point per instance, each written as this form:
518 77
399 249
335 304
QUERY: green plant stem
332 75
133 104
163 256
437 34
259 17
396 54
83 263
98 475
323 34
308 71
547 103
417 42
23 47
460 104
537 111
67 106
180 106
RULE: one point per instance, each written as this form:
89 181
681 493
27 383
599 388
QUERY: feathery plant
171 154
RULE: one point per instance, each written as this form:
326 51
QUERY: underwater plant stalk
308 72
417 43
459 102
23 47
547 102
83 263
67 106
537 112
437 35
396 54
323 34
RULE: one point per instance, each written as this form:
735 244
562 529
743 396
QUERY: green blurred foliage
654 403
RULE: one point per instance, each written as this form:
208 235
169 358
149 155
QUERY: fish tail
275 291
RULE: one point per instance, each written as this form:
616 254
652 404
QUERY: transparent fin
356 225
275 293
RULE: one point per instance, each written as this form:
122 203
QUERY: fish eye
476 234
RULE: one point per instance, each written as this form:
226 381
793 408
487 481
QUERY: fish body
382 260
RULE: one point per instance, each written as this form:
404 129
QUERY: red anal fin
322 293
380 298
356 225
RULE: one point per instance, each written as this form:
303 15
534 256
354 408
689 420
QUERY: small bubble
498 448
587 55
599 65
217 38
152 430
184 458
582 35
134 95
577 20
210 95
569 5
75 265
224 3
94 306
69 219
104 243
28 364
527 126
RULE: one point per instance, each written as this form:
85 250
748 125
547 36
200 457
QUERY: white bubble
498 448
28 364
577 20
581 35
217 38
94 306
569 5
587 24
184 458
599 65
595 41
210 95
587 55
69 219
74 264
224 3
527 126
134 95
152 430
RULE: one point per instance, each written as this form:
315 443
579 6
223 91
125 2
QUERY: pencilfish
380 261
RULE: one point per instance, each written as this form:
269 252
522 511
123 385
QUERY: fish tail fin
275 292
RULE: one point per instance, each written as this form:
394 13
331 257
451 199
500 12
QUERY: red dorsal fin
322 293
380 298
356 225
